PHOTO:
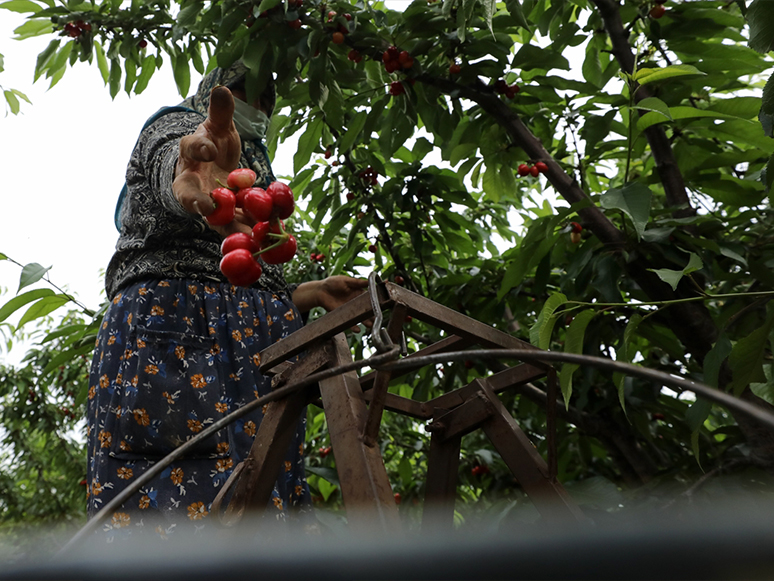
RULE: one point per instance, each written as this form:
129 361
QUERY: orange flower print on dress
140 343
105 439
210 290
141 417
142 291
104 381
164 283
288 465
152 369
195 426
96 488
193 289
120 520
144 501
124 446
298 490
129 319
277 502
157 310
197 511
257 359
111 340
176 476
224 464
117 299
250 428
92 392
290 316
221 407
236 335
198 381
125 473
249 332
180 352
222 447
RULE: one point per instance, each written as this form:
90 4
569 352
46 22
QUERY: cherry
260 230
225 203
143 43
397 498
575 227
657 11
241 177
454 69
372 248
237 240
541 167
337 37
404 57
282 198
354 56
348 17
391 66
479 470
658 416
399 280
240 267
523 169
393 53
350 196
282 253
328 154
397 88
533 171
295 24
500 86
331 16
325 451
258 203
320 257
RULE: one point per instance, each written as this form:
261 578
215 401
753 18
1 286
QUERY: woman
179 346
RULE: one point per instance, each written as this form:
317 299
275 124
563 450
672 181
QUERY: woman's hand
328 293
208 155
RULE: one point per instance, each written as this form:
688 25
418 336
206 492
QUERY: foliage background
659 145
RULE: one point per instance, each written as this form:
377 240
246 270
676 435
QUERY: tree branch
666 164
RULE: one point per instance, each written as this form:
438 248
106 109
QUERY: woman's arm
328 293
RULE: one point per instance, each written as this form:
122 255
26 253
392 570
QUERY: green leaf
625 354
746 358
573 343
760 15
21 6
697 413
148 68
102 63
678 113
646 76
43 307
714 359
655 105
307 144
353 131
31 28
765 391
267 5
182 74
19 301
31 273
766 114
673 277
540 332
634 200
12 100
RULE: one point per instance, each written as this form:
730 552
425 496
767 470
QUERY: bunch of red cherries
268 239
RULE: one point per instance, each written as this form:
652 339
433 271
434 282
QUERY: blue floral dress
179 349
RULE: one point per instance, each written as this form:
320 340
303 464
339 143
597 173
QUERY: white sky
62 165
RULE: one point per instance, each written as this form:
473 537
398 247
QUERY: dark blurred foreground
730 542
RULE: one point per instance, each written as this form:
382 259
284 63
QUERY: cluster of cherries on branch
268 238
